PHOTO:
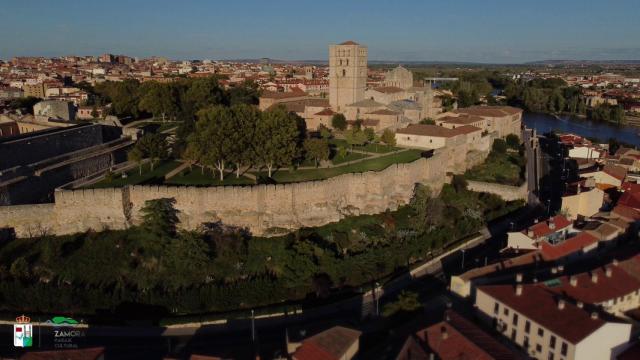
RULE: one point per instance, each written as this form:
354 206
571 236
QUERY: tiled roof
626 212
489 111
463 340
568 246
326 112
466 129
383 112
388 89
366 103
349 42
540 305
543 228
428 130
461 120
603 289
616 171
412 350
630 199
327 345
630 187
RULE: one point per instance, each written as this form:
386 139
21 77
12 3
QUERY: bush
513 141
499 146
338 121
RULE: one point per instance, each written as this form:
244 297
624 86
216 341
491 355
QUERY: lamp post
462 265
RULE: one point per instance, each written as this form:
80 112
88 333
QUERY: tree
427 121
429 210
513 141
277 136
325 132
24 105
244 122
388 137
136 156
214 137
160 217
406 302
318 149
370 134
159 99
247 94
338 121
205 92
499 146
153 146
459 183
355 136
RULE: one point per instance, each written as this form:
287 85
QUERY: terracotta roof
463 339
326 112
568 246
616 171
626 212
383 112
349 42
412 350
72 354
630 187
604 230
366 103
327 345
428 130
461 120
605 288
630 199
543 228
489 111
467 129
540 305
283 95
388 89
522 260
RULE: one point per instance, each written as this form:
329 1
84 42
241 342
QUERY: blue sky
395 30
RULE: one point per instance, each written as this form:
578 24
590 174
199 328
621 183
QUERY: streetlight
253 328
377 301
462 266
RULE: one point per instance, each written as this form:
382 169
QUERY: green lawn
350 156
507 169
377 148
195 177
377 164
134 178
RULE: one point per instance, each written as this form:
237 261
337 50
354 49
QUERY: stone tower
347 74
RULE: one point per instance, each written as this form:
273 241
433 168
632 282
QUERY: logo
22 332
66 332
62 320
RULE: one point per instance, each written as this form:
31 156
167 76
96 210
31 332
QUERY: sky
486 31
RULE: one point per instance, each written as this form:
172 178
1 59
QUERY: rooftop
329 344
428 130
540 305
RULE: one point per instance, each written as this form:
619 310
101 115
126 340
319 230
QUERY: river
587 128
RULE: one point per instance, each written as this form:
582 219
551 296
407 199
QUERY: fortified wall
263 209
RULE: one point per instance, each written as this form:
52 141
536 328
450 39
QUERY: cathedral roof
366 103
350 42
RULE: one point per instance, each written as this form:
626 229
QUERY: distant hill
584 62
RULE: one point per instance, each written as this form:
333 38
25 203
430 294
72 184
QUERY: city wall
263 209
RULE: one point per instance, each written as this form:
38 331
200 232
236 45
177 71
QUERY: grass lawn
377 148
148 177
348 157
377 164
195 177
507 169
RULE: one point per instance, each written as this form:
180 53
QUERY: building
456 338
399 77
610 175
37 90
347 74
582 200
62 110
503 120
337 343
427 136
549 327
7 93
8 128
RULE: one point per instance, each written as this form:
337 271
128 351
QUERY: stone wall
506 192
264 209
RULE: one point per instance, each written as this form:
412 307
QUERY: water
586 128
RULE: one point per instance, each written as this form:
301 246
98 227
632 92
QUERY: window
344 72
515 319
513 334
564 349
550 357
527 326
540 332
552 342
525 344
538 348
506 311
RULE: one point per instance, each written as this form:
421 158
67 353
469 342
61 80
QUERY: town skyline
461 32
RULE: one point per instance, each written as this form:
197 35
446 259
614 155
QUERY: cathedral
392 104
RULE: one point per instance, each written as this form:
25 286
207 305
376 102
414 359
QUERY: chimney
594 315
535 221
518 289
444 333
554 270
519 278
580 304
615 262
560 304
573 281
530 233
560 268
594 277
552 225
608 272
